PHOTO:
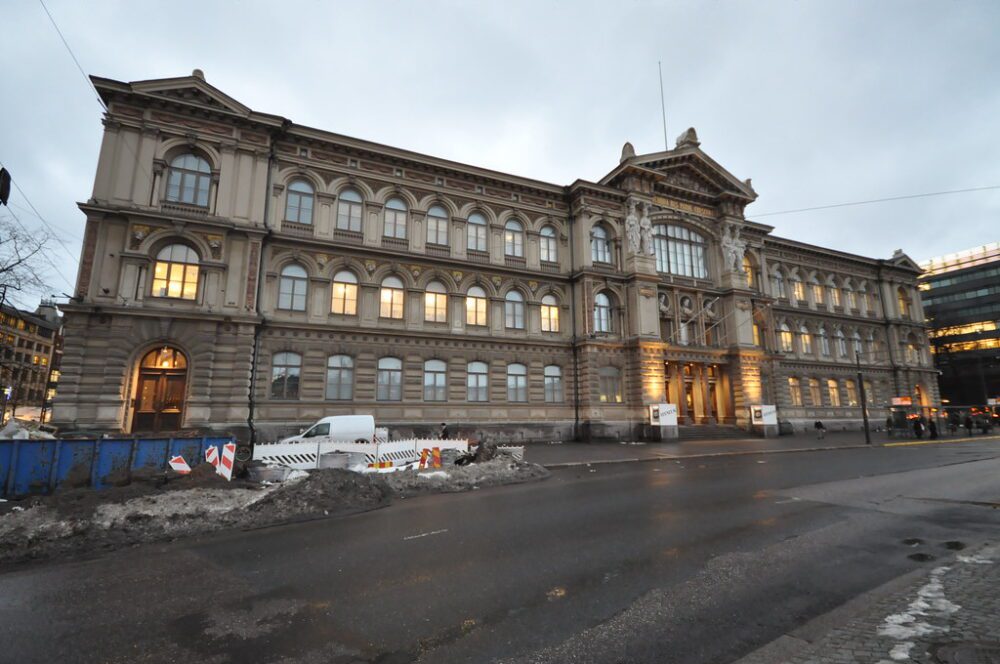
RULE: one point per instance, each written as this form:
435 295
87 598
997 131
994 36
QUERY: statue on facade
733 247
664 306
646 232
632 228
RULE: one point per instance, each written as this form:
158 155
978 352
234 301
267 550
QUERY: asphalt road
695 561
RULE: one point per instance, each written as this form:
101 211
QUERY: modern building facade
961 294
242 272
30 352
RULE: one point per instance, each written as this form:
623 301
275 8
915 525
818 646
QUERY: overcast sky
818 102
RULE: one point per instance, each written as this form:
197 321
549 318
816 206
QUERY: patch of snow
17 508
930 603
436 473
296 475
901 651
975 560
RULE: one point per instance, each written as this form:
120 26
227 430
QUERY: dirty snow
918 619
23 430
975 560
436 473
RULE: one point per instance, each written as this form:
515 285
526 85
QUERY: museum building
244 273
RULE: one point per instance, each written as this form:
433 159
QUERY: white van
338 428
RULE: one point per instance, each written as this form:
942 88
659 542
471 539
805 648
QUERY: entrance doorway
699 390
160 388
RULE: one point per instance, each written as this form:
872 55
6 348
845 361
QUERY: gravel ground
166 506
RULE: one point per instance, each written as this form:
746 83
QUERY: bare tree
21 256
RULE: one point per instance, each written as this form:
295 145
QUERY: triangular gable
900 259
191 90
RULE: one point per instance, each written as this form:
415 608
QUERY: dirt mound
450 479
326 491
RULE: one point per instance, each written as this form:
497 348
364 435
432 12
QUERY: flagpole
663 107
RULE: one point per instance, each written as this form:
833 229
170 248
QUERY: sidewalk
558 455
949 613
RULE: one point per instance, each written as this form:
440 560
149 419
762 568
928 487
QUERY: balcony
478 256
294 228
350 237
438 250
514 261
400 243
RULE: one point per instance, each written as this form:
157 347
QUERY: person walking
932 429
968 423
820 430
918 428
444 431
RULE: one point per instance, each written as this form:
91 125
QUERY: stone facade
335 275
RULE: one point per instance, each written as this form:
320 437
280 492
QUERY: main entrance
160 388
698 390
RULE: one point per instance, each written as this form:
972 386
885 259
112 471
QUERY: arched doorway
159 393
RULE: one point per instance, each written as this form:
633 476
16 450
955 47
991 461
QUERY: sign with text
663 414
902 401
766 414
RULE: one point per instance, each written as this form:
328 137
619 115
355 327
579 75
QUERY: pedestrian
918 428
888 425
444 431
968 423
820 430
932 429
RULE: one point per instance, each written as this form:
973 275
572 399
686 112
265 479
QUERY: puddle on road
921 557
954 546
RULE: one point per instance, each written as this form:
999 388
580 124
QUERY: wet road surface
690 561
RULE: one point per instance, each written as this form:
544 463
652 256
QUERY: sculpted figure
632 229
733 248
646 232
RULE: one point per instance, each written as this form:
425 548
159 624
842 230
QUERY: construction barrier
305 455
40 466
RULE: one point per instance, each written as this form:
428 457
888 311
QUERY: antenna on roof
663 107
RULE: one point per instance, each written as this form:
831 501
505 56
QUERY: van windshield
318 430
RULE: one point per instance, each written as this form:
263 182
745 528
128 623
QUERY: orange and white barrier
225 467
212 456
180 465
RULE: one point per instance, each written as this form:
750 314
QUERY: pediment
192 90
900 259
686 168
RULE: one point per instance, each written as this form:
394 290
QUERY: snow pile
23 430
502 470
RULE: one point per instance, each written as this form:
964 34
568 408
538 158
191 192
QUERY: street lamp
864 403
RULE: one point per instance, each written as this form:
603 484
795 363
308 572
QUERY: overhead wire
41 250
878 200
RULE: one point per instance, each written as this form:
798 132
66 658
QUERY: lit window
685 253
748 271
814 393
547 245
475 306
786 339
852 298
188 180
391 298
299 204
609 385
600 249
852 393
437 226
345 294
395 219
477 381
550 314
175 272
817 292
389 380
795 391
805 338
435 380
834 389
602 313
436 303
517 382
292 288
903 302
798 289
553 384
514 310
349 211
285 370
339 378
476 230
834 295
513 239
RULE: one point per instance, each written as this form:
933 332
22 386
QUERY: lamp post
864 402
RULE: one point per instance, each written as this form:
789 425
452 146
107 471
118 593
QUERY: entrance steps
711 432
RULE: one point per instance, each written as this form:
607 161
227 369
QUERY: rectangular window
834 389
550 318
609 386
435 307
547 249
852 393
817 294
477 237
435 388
345 299
437 231
340 382
756 334
553 389
799 289
391 303
389 385
349 216
517 388
835 296
514 315
475 310
395 224
477 386
795 391
814 393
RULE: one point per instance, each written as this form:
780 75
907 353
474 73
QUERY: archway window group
679 250
175 272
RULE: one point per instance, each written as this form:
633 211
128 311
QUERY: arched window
748 271
391 298
805 339
349 211
437 226
345 294
547 245
175 272
436 303
285 370
912 350
795 390
858 348
838 335
339 378
852 296
188 180
661 248
553 384
609 385
686 252
292 288
834 293
824 342
517 382
513 239
798 288
513 308
475 306
550 314
817 291
395 219
903 302
435 380
389 379
602 313
600 248
852 392
785 338
833 389
814 393
477 381
476 232
778 284
299 203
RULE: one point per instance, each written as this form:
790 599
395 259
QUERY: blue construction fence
40 466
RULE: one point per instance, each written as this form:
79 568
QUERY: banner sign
663 414
766 414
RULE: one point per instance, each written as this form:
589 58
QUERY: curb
709 455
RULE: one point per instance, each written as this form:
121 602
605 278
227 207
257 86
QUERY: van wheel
244 453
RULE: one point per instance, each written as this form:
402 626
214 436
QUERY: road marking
911 443
433 532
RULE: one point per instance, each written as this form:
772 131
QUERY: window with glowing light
175 272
